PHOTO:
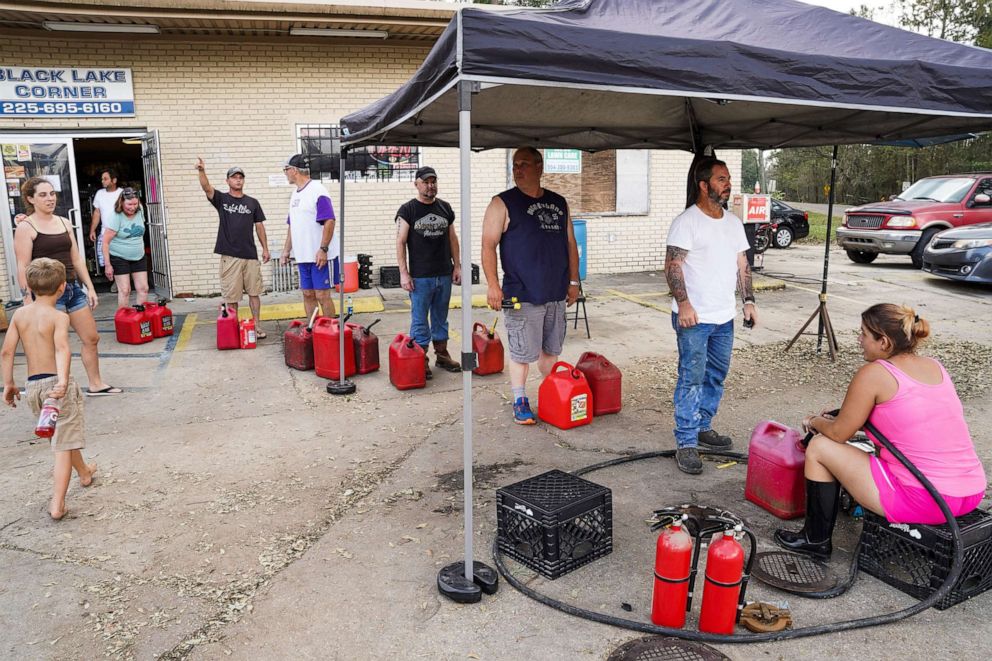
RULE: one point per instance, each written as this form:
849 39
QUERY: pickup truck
906 223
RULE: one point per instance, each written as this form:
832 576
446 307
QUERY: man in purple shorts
310 237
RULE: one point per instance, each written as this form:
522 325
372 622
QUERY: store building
148 86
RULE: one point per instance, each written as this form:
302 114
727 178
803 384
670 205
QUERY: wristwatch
573 283
324 248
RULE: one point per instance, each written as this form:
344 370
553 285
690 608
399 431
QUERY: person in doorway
907 398
704 262
240 270
123 248
43 234
532 227
425 228
104 203
311 237
43 331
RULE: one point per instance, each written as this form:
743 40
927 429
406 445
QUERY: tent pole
465 582
342 386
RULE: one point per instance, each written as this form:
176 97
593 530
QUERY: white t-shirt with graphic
710 268
309 208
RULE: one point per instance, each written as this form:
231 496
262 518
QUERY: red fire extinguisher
673 560
726 581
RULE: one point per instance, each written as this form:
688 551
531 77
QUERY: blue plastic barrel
579 226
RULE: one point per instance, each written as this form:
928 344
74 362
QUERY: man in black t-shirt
240 271
425 228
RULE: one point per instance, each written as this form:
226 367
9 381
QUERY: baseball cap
298 161
235 170
425 172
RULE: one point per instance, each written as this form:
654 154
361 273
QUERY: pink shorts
905 504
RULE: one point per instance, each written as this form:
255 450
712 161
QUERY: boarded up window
609 182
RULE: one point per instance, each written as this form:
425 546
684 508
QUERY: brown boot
444 359
427 365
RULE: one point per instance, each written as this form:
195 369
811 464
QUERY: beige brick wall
241 103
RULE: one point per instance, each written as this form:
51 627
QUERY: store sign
759 209
65 92
563 161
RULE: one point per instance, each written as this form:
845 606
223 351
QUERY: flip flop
109 390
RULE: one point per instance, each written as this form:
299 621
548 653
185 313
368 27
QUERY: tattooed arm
746 288
674 259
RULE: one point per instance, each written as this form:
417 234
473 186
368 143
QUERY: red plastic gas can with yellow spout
565 399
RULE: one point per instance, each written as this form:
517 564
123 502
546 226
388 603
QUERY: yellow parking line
635 299
186 332
829 295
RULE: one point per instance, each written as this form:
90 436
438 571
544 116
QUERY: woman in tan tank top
43 234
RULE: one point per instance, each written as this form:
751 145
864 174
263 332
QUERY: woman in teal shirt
124 248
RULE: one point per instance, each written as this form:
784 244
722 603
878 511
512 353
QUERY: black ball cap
298 161
425 172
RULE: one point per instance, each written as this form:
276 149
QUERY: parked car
964 253
790 224
906 224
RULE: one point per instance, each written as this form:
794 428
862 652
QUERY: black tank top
54 246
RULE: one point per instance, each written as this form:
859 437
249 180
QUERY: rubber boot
427 365
822 503
443 359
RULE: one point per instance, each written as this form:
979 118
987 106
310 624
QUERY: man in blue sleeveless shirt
533 229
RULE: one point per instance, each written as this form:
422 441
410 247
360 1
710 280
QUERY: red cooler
775 462
564 398
327 349
604 382
349 275
133 325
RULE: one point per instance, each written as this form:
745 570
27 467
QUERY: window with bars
376 163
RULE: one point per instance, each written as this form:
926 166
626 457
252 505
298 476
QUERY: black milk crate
916 558
365 260
554 522
389 277
475 274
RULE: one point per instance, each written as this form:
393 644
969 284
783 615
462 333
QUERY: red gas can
564 398
366 345
161 318
406 363
327 351
228 336
776 458
489 348
133 325
298 345
604 381
248 337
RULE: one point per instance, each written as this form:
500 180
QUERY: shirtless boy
44 333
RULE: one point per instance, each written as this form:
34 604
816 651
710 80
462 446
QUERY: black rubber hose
957 564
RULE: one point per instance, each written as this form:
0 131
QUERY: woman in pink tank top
912 401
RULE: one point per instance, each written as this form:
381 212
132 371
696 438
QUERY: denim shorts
74 297
312 277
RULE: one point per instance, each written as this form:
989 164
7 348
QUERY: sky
885 11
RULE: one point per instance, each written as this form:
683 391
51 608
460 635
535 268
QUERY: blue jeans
704 360
430 296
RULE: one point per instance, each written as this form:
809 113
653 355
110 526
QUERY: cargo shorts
534 329
69 428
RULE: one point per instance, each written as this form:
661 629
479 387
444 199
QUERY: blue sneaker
522 415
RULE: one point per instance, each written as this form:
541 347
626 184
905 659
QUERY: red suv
905 224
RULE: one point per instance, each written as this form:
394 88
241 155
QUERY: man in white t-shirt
310 237
103 207
704 263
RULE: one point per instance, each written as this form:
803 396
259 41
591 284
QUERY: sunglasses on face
129 194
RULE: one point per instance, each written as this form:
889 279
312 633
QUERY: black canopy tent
643 74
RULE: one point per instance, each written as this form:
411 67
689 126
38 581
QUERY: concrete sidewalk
241 512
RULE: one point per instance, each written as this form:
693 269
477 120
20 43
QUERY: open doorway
93 156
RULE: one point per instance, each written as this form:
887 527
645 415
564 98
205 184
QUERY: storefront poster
13 171
9 151
563 161
54 180
65 92
23 153
13 188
